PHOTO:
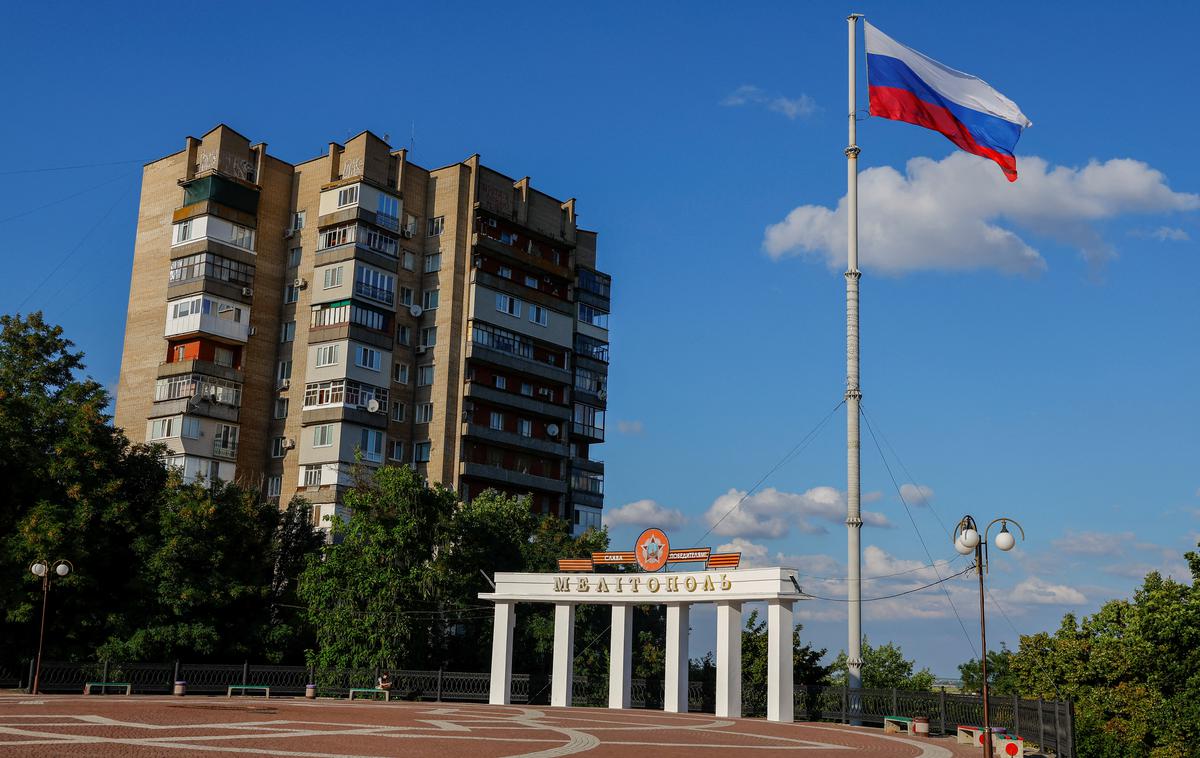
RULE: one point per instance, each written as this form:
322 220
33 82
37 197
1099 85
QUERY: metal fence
1047 724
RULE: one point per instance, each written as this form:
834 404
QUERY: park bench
244 689
387 694
102 687
897 724
1008 745
973 735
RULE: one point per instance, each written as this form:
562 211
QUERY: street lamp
43 570
967 539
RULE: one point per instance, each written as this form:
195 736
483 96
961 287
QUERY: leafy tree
884 667
806 661
1000 677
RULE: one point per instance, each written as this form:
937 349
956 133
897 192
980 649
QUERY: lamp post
43 570
967 539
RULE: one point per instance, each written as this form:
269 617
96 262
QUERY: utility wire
64 199
996 602
897 594
799 448
896 484
914 480
944 563
14 172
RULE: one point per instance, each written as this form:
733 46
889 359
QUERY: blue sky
1029 350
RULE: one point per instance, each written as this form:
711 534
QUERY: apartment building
287 320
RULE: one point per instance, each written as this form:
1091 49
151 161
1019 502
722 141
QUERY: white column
729 659
781 704
500 687
620 657
675 678
562 675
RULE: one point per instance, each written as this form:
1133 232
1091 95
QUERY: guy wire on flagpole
853 400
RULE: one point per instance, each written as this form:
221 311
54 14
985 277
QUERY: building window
396 450
497 420
429 336
191 428
436 226
527 389
424 413
525 427
367 358
429 299
531 281
327 355
425 375
288 332
433 263
294 257
298 220
163 428
312 475
591 315
281 407
505 272
323 435
371 442
400 373
406 296
348 196
374 284
501 382
278 447
539 315
404 335
183 231
389 208
283 370
333 277
397 411
421 452
213 266
291 293
408 261
222 356
274 486
508 304
242 237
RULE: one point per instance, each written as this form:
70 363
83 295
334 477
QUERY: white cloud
1095 543
1162 234
873 496
645 513
753 554
633 427
916 494
792 107
960 213
1040 592
772 513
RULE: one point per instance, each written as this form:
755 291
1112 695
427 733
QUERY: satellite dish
552 430
373 405
414 310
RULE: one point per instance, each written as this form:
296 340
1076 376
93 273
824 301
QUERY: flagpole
853 399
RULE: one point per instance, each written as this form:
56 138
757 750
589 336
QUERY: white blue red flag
905 85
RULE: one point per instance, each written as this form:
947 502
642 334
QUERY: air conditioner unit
290 233
421 349
406 233
300 283
285 384
252 331
247 292
289 443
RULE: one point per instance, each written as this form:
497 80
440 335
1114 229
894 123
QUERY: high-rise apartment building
285 320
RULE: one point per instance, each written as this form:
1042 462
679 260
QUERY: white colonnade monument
720 582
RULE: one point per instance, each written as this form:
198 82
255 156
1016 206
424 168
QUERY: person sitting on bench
384 682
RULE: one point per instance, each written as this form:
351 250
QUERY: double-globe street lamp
967 539
44 571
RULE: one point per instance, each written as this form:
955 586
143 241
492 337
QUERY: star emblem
652 550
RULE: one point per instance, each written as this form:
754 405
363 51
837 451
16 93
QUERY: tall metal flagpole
853 398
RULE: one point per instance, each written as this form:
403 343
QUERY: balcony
587 431
193 406
510 439
511 478
521 256
208 323
516 361
583 464
226 450
375 293
514 400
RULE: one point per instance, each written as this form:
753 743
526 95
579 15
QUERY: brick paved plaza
69 725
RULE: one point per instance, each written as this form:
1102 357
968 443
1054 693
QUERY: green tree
884 667
1000 676
806 660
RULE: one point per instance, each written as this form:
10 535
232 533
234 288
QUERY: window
497 420
408 261
298 220
436 226
183 231
539 315
433 263
591 348
348 196
527 389
501 339
501 383
337 236
294 257
404 335
190 428
421 452
323 435
327 355
207 388
389 208
425 375
410 224
505 272
424 413
400 373
591 315
312 475
525 427
429 336
406 296
283 370
396 450
222 356
367 357
291 293
397 411
274 486
212 266
281 407
531 281
242 237
374 284
278 447
333 277
429 299
508 304
371 442
587 380
288 332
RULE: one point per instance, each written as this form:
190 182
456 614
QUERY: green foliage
884 667
1000 676
1133 670
806 661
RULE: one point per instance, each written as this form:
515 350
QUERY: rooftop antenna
412 140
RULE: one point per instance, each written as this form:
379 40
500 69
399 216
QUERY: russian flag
905 85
